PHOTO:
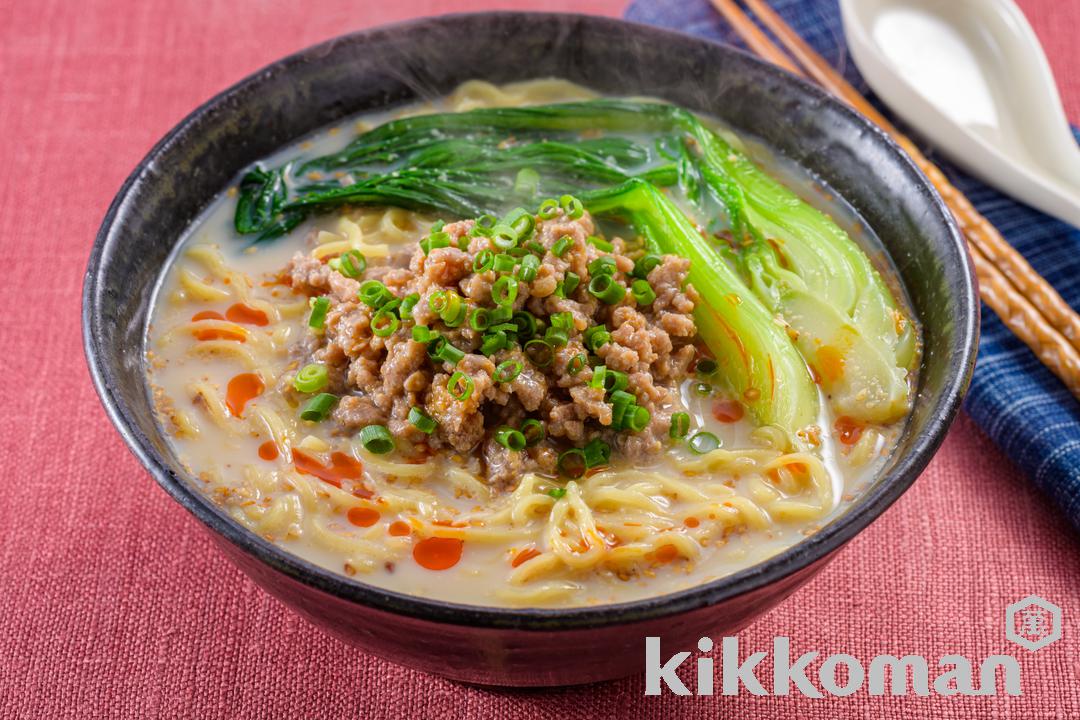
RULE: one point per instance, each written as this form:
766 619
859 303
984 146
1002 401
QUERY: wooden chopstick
1027 304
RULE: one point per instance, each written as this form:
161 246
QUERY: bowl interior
425 59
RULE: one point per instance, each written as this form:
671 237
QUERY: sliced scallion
704 442
507 371
510 438
680 425
319 308
376 439
311 378
318 407
421 420
605 289
460 386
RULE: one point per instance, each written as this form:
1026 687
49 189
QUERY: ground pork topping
516 340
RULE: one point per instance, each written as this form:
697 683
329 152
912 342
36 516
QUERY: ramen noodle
520 411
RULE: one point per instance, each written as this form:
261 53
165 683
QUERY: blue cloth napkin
1013 397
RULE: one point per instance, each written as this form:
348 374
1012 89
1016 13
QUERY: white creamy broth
226 335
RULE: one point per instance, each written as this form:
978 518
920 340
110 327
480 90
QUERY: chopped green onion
621 397
508 370
505 290
557 493
460 386
572 463
421 420
502 314
374 294
407 305
615 380
645 265
526 272
642 292
618 414
539 352
605 289
507 327
703 389
448 306
423 334
376 439
571 206
562 320
704 442
525 322
706 367
603 266
522 221
597 452
533 430
510 438
384 323
527 182
577 364
318 407
549 209
434 241
636 418
570 283
504 236
442 350
319 308
680 425
556 337
480 319
482 226
535 248
600 243
598 374
504 263
493 343
437 226
596 337
352 264
562 245
311 378
483 261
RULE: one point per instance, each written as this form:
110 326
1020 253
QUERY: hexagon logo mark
1033 622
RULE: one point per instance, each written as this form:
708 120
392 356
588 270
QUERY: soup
525 347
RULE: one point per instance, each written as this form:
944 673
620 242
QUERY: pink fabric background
114 604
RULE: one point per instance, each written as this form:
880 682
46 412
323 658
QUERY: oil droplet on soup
242 389
247 315
438 553
363 516
342 467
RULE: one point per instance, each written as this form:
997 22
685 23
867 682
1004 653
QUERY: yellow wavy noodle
478 94
571 531
229 349
618 521
866 449
212 403
275 428
194 288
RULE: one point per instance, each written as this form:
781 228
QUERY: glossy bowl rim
820 545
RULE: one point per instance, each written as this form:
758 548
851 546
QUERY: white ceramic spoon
971 76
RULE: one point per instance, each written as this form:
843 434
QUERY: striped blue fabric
1013 397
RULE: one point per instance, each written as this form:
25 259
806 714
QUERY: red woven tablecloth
113 602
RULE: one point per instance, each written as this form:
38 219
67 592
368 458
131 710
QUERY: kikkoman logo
1032 623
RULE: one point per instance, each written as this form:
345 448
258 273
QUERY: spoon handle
1028 305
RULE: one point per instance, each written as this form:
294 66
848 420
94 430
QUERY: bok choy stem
754 353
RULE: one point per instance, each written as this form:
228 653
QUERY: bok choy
787 259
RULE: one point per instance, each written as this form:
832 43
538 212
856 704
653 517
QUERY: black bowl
426 58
